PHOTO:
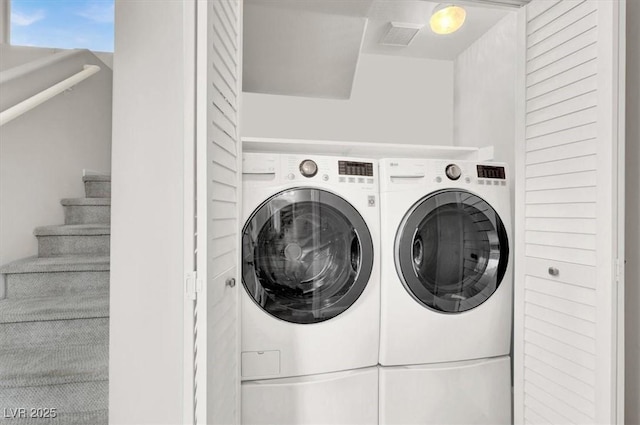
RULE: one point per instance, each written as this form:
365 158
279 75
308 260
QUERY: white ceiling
426 44
311 47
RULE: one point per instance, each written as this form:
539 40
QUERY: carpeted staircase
54 321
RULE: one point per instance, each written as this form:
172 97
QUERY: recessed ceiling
311 47
302 48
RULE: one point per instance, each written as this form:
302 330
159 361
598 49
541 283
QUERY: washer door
307 255
451 251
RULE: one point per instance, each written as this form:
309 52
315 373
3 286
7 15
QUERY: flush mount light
447 18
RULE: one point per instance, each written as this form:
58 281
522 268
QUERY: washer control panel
329 169
351 172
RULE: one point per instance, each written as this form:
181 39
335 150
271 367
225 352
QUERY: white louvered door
568 332
218 159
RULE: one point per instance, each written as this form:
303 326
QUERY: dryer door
307 255
451 251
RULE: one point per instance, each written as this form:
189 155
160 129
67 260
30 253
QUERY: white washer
467 392
446 280
310 268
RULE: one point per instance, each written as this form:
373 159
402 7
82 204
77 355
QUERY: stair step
86 201
73 230
61 364
33 335
54 308
97 186
96 178
76 403
86 239
56 284
56 276
71 263
99 417
87 210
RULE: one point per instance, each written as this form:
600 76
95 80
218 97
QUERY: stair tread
76 403
97 178
51 365
73 230
39 309
85 201
94 417
70 263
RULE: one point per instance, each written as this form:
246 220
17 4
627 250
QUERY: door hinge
192 285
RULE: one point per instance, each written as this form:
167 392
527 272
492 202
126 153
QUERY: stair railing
46 94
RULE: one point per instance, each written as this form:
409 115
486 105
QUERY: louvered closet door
218 159
567 358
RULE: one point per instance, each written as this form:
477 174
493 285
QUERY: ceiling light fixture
447 18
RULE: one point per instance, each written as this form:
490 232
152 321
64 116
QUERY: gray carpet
54 325
87 210
73 239
39 309
54 333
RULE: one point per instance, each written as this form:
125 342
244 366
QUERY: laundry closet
346 154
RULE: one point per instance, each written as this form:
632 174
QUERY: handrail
35 100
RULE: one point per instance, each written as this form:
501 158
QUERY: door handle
230 282
554 271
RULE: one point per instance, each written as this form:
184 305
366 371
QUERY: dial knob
308 168
453 171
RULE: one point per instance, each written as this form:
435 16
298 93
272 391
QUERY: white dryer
310 268
446 280
467 392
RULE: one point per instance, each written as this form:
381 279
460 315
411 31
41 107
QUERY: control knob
453 172
308 168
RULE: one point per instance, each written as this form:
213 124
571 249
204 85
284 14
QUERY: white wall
43 152
632 304
394 100
147 224
484 91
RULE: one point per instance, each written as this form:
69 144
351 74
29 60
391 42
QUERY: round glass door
307 255
451 251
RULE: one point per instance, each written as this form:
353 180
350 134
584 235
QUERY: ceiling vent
400 34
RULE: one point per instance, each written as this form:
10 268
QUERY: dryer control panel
402 173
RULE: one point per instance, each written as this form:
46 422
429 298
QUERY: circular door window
307 255
451 251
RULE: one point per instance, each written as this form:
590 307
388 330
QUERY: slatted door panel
565 337
219 159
